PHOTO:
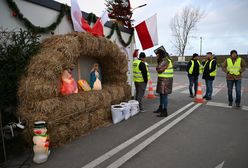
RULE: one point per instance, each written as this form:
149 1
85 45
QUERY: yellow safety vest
168 72
137 75
192 67
234 68
210 66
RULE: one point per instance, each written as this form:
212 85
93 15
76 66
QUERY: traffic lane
89 147
204 139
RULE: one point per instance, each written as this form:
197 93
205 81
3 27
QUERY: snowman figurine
41 142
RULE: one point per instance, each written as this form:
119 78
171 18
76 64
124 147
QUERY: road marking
152 138
224 105
178 87
220 165
125 144
216 90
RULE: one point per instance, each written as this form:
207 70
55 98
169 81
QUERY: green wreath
65 10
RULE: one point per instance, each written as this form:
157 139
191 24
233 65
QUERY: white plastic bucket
134 107
117 113
127 110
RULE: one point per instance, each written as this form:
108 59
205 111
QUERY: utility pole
200 46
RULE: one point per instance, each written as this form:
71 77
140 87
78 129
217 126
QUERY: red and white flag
147 32
76 16
81 25
97 29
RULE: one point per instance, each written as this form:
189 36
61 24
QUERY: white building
44 12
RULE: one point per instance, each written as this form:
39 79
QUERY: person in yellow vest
209 73
165 80
234 66
141 76
194 68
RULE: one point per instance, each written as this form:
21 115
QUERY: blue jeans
209 88
193 80
164 100
237 88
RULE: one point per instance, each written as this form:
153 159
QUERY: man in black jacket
209 73
194 68
141 76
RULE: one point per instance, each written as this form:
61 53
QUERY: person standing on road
234 66
209 73
165 80
194 68
141 76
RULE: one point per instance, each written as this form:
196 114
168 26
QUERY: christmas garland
114 27
65 10
36 29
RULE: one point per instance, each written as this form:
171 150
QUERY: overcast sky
224 27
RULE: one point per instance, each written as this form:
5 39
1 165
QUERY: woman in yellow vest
165 80
234 66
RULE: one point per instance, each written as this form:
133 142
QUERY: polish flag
147 32
76 16
97 29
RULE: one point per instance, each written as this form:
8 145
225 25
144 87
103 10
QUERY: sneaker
230 104
191 96
142 111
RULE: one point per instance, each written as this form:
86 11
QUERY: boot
163 113
158 110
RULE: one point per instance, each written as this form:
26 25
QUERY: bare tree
182 25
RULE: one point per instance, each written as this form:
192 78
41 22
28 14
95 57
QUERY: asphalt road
208 135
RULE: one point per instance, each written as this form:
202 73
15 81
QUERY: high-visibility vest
137 75
210 66
234 68
192 67
168 72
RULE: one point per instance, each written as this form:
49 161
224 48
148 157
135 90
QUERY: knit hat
195 55
142 55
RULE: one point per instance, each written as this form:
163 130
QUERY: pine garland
65 10
36 29
114 27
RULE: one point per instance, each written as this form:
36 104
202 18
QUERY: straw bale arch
74 115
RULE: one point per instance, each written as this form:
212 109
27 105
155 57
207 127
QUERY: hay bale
74 115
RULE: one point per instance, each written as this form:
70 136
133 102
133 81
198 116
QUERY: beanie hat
195 55
142 55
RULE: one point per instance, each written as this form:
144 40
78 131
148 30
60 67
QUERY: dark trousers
193 80
209 88
230 84
140 88
163 100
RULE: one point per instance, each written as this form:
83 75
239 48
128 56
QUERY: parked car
180 65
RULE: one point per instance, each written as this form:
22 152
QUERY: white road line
185 91
178 87
220 165
125 144
224 105
216 90
149 140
